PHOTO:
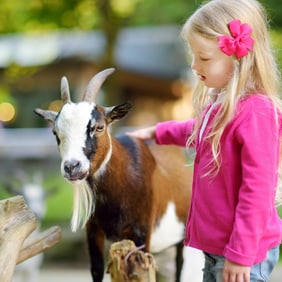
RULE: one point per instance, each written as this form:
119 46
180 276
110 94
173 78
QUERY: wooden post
127 263
17 222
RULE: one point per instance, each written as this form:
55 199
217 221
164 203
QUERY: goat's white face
83 137
71 129
82 130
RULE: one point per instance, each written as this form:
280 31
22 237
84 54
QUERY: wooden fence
17 222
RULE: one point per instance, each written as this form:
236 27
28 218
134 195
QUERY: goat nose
71 166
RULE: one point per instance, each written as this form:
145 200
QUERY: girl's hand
146 133
233 272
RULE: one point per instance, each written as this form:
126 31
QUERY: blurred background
43 40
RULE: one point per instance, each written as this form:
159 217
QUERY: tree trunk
127 263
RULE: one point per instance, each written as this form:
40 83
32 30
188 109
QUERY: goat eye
100 128
56 135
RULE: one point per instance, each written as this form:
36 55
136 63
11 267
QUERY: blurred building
151 71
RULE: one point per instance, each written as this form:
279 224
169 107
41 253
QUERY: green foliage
5 95
274 11
162 12
40 15
59 204
124 8
276 38
43 15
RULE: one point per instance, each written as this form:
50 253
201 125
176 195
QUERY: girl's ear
48 115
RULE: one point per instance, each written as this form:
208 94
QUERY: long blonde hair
257 71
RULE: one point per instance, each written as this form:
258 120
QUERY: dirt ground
83 275
192 271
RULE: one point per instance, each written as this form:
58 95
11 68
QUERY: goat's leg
96 242
179 261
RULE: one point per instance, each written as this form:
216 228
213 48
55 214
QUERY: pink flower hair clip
239 43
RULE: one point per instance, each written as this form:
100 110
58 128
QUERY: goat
123 187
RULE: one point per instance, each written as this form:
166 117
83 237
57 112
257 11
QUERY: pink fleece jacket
232 213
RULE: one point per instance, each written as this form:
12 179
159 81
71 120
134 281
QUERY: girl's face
212 66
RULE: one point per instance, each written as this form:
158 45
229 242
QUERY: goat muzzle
73 171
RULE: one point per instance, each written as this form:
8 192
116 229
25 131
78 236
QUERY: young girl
236 134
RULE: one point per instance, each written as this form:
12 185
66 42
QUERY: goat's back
172 178
171 187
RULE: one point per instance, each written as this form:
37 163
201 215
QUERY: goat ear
117 112
48 115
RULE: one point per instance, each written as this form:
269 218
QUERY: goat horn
95 84
65 92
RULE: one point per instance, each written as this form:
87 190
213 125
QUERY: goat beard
83 204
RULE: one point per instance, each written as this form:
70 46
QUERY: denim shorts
260 272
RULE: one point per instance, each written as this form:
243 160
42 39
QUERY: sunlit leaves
124 8
45 15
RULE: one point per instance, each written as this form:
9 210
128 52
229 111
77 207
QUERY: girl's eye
204 59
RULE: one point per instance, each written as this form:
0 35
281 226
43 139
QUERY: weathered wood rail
17 222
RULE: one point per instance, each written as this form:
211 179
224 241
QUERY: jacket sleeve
174 132
258 135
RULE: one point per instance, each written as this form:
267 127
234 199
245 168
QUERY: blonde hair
256 72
